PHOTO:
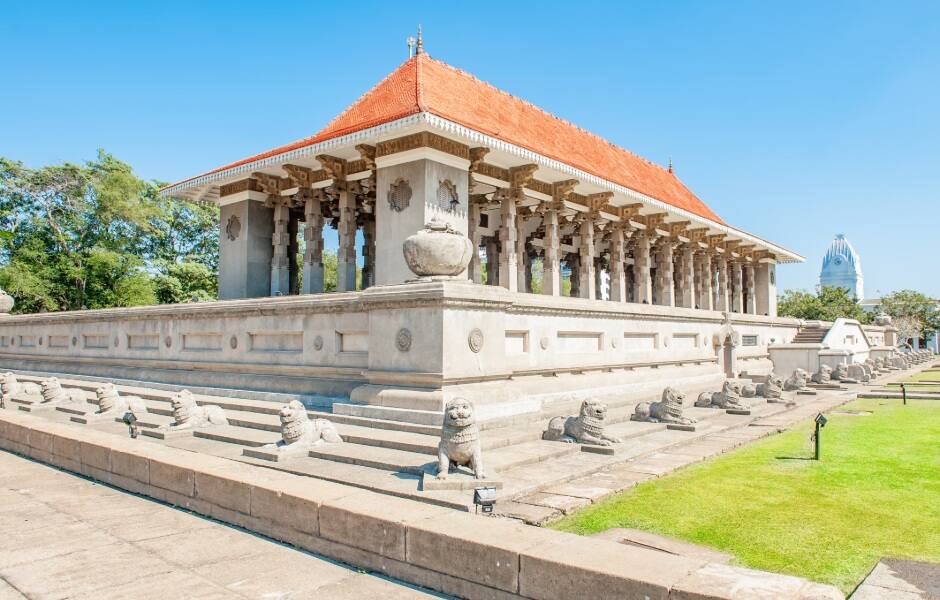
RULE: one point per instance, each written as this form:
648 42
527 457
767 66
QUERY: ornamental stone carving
668 410
6 302
447 197
53 393
840 372
318 343
233 228
298 431
728 398
460 440
772 389
586 428
475 340
403 340
189 415
797 381
823 375
399 195
111 402
437 251
10 386
858 372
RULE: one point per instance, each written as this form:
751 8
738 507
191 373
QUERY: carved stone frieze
244 185
422 139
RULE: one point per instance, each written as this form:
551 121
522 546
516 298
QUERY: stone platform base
457 481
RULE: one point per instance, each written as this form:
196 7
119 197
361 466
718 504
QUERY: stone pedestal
245 251
457 481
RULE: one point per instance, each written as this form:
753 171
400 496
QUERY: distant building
842 267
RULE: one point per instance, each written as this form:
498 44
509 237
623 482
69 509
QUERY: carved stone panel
399 195
447 197
233 228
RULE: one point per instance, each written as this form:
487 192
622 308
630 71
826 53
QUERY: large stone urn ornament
437 252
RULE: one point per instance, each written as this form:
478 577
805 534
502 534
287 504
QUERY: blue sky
793 120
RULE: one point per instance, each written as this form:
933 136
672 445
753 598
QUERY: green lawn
923 376
876 492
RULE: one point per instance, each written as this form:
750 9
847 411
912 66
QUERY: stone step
243 436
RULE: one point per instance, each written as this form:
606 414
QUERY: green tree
827 304
95 235
913 305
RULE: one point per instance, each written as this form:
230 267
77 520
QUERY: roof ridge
548 114
419 92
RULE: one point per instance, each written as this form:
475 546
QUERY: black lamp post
820 423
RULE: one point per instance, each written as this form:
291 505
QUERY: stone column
643 287
574 268
368 254
665 278
737 289
586 281
751 307
724 293
522 257
475 269
312 280
766 284
551 261
708 281
687 277
618 283
492 262
280 267
528 273
346 253
508 265
598 279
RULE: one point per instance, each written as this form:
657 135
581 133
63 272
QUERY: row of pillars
641 268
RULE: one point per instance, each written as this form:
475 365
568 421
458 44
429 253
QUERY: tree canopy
94 235
827 304
919 313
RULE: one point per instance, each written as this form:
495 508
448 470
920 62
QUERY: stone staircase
811 333
392 456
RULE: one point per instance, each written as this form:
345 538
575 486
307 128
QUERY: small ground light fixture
133 429
820 423
484 498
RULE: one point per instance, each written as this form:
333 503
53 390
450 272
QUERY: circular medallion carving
544 343
399 195
74 341
12 341
40 341
403 340
233 228
168 341
117 342
233 342
475 339
318 343
665 342
613 342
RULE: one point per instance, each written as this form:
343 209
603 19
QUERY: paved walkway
62 536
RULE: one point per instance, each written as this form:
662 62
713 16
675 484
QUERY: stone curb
456 553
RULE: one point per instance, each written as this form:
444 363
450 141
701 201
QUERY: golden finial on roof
419 49
670 164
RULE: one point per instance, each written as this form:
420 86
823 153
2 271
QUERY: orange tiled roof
422 84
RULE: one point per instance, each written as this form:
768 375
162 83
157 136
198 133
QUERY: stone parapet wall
456 553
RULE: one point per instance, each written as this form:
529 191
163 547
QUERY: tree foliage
920 313
95 235
827 304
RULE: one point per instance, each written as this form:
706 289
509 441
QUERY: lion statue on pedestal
772 389
112 402
840 372
53 393
460 440
823 375
728 398
300 431
586 428
10 386
189 415
796 381
668 410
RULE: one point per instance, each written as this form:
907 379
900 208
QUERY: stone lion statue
748 390
112 402
460 440
299 431
772 389
668 410
840 372
858 372
53 393
586 428
728 397
796 381
10 386
189 415
823 375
